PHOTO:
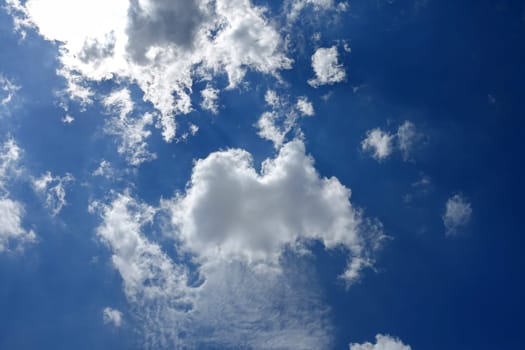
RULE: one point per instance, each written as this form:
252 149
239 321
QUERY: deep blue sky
455 69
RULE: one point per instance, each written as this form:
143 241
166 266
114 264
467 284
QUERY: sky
251 174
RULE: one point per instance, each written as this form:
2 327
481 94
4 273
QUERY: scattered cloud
12 233
7 90
457 214
112 317
149 43
68 119
305 107
11 230
383 342
53 188
131 130
407 138
379 142
326 66
382 143
210 96
104 169
275 125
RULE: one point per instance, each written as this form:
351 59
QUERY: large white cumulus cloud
232 212
160 45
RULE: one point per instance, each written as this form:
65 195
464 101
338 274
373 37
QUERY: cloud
383 342
326 66
231 304
407 137
382 143
11 229
159 45
12 234
297 6
53 189
7 90
457 214
284 205
112 316
131 130
147 272
68 119
210 96
275 125
305 107
379 142
104 169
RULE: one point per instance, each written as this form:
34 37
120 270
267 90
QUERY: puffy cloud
53 189
210 96
160 45
276 124
112 316
132 131
305 107
457 215
379 143
287 203
326 66
382 143
12 212
383 342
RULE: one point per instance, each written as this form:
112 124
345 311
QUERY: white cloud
297 6
160 45
53 188
379 143
11 229
286 204
326 66
12 234
383 342
131 130
147 272
382 143
210 96
305 107
112 316
7 90
407 136
457 214
234 305
68 119
104 169
275 125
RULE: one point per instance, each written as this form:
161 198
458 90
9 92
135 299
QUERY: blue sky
236 174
